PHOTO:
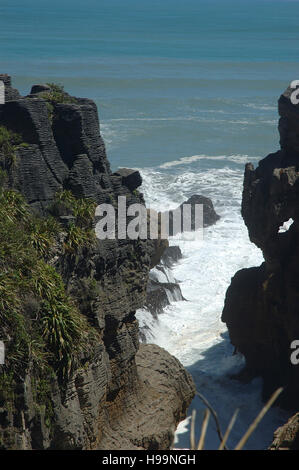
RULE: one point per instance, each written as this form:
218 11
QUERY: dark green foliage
42 233
62 204
7 388
3 179
78 237
54 96
66 203
84 210
80 234
9 142
41 388
48 329
57 95
43 331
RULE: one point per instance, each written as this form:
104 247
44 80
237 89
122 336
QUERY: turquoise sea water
187 92
171 78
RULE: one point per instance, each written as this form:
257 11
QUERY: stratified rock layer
165 389
64 150
262 304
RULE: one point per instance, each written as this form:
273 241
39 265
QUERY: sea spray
192 330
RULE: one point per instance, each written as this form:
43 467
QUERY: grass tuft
52 329
9 142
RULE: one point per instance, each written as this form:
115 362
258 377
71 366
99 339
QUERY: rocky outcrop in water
209 215
61 149
261 306
163 288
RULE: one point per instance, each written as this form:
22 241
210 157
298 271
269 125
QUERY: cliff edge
261 306
74 371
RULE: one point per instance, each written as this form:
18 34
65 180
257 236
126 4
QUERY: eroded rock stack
262 303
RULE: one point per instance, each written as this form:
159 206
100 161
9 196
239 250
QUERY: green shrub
3 178
56 332
7 390
78 237
62 204
9 142
65 196
57 95
42 233
54 96
13 207
84 211
80 233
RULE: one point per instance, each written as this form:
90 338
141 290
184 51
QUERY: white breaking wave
252 122
107 133
262 107
194 158
192 330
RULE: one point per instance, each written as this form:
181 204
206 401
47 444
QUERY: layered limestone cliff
262 303
115 394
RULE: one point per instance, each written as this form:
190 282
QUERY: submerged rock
161 294
162 287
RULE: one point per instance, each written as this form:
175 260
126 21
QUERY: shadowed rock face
171 255
64 150
162 287
262 304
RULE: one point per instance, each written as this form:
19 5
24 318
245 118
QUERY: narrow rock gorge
109 392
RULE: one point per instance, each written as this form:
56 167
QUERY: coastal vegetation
9 142
51 330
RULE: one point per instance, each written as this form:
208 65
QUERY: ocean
187 93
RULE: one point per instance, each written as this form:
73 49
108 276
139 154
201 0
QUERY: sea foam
192 330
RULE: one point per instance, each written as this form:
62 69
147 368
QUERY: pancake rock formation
111 383
262 303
